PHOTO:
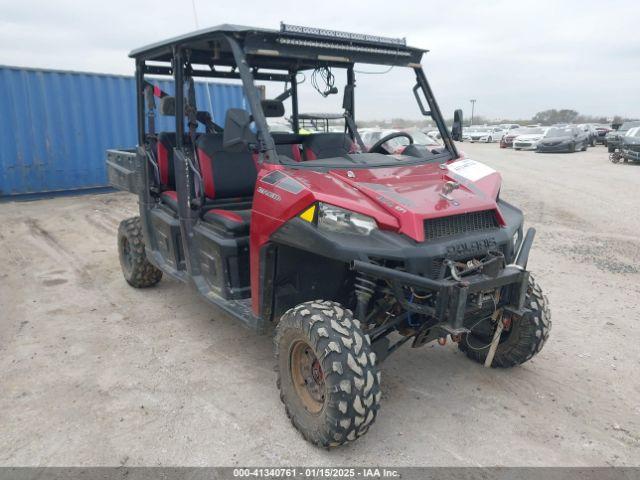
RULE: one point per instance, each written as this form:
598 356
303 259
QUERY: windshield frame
268 152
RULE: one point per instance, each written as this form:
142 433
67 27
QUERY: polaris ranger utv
344 253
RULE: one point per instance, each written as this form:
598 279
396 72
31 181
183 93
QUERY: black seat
289 144
233 221
327 145
226 176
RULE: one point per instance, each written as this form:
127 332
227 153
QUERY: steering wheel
377 147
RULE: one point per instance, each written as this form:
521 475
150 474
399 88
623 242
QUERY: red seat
170 199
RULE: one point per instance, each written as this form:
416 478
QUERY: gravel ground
93 372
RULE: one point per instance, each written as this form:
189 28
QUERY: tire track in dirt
58 253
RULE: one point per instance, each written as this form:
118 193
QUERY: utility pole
473 105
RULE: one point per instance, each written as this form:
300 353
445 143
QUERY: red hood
411 194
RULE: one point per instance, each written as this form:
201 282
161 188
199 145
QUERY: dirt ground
94 372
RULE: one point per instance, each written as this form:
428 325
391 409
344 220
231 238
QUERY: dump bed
124 170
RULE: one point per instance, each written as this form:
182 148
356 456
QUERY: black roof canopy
290 48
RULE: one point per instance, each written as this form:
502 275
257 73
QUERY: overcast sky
515 57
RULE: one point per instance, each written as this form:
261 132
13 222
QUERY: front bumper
475 139
452 295
452 304
613 142
525 145
562 147
630 155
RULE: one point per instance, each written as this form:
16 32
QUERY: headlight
336 219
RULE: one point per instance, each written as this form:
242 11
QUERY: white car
507 127
529 138
435 134
482 134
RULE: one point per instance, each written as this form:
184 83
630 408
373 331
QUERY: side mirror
237 134
456 128
273 108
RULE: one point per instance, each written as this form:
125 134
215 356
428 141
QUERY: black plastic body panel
416 257
223 262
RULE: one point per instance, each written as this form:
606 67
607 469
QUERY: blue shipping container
55 126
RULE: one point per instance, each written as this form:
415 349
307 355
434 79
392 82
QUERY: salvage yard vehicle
614 137
483 134
629 147
590 130
601 136
563 139
507 139
343 252
528 138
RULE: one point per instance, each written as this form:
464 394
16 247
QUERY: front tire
136 268
327 373
523 340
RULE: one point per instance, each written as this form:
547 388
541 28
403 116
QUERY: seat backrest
166 143
289 144
164 147
327 145
225 174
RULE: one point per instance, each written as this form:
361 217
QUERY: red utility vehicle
344 253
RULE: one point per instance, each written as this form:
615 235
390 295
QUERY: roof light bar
342 46
338 35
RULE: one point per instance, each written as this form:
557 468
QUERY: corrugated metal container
55 126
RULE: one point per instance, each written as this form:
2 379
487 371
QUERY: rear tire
525 338
137 270
327 373
572 148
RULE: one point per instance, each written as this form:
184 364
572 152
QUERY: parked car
590 130
507 139
630 147
435 134
508 127
614 137
602 131
563 139
482 134
529 138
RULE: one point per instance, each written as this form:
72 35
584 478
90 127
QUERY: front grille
457 224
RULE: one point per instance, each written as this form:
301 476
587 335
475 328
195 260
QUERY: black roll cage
268 55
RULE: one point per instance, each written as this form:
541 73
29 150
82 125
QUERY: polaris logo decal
270 194
472 247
